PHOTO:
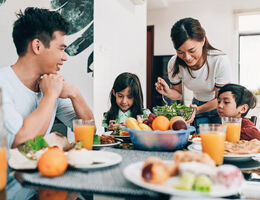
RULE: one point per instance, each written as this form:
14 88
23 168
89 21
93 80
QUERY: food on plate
197 168
120 132
30 147
161 123
189 156
195 135
79 157
173 110
96 139
203 183
178 123
186 181
53 162
57 139
229 175
107 139
154 171
242 147
132 123
202 175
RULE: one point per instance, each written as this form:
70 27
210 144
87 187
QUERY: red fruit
178 125
146 121
151 117
125 133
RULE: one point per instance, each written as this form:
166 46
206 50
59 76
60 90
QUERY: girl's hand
192 117
112 125
162 87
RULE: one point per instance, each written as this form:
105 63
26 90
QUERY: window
249 50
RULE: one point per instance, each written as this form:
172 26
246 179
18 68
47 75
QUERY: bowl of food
173 111
169 140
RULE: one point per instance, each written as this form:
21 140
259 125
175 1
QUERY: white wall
216 16
120 46
74 70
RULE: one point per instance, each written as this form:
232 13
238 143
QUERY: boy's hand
68 90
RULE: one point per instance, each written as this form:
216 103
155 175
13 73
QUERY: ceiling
157 4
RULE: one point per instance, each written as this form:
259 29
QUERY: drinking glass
233 125
212 140
84 131
3 149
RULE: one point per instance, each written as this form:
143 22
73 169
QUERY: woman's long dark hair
123 81
184 29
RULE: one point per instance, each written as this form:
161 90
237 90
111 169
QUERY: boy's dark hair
36 23
123 81
241 95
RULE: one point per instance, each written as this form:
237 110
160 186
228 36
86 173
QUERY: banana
145 127
132 123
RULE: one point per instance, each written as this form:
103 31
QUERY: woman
199 66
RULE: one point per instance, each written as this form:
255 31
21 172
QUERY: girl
126 99
197 65
235 101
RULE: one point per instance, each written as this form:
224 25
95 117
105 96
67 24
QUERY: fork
164 101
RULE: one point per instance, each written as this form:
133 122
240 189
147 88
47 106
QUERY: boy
235 101
34 92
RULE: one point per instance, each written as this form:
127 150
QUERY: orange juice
233 132
3 167
85 133
213 144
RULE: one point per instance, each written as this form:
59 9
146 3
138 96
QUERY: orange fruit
53 162
161 123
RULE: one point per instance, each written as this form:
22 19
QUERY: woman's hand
162 87
192 117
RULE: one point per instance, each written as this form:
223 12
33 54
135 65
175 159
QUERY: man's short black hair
241 95
36 23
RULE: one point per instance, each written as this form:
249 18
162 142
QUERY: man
33 91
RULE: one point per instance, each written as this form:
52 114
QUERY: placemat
107 180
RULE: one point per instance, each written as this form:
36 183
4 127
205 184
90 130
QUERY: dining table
106 183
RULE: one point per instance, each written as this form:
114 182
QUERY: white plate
19 161
235 157
133 174
104 158
98 146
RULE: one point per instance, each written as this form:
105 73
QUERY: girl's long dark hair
184 29
123 81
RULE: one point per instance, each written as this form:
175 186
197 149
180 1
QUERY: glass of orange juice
212 140
84 131
233 125
3 149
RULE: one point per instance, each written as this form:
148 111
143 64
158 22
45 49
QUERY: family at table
34 94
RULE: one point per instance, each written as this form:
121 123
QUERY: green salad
173 110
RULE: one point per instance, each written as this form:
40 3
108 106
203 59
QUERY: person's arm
37 122
249 131
80 106
173 92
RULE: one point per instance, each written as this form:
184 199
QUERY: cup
233 131
84 131
3 149
212 140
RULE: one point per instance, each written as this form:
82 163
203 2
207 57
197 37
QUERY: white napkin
251 190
